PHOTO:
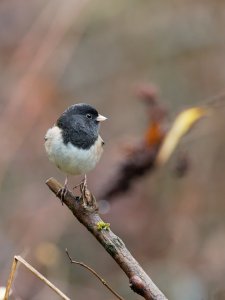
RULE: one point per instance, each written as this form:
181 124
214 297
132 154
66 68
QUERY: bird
73 144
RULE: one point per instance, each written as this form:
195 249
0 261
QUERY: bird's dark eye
88 116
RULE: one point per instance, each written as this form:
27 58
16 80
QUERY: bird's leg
62 192
88 200
83 185
85 194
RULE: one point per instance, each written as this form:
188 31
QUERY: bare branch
86 211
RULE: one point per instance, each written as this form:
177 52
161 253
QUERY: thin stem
17 259
10 280
95 274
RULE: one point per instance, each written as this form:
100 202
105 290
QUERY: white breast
68 158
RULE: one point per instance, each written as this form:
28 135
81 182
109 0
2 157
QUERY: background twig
95 274
17 259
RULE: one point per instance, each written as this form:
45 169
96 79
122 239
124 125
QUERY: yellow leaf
182 124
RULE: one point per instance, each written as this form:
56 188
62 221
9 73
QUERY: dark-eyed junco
73 144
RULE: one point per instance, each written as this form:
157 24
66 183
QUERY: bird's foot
62 193
85 194
87 199
82 185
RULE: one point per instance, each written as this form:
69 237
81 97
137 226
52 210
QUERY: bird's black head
80 125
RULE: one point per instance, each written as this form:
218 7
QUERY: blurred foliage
55 53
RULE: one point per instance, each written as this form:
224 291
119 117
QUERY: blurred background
56 53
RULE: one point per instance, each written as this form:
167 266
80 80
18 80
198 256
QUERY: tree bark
85 209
